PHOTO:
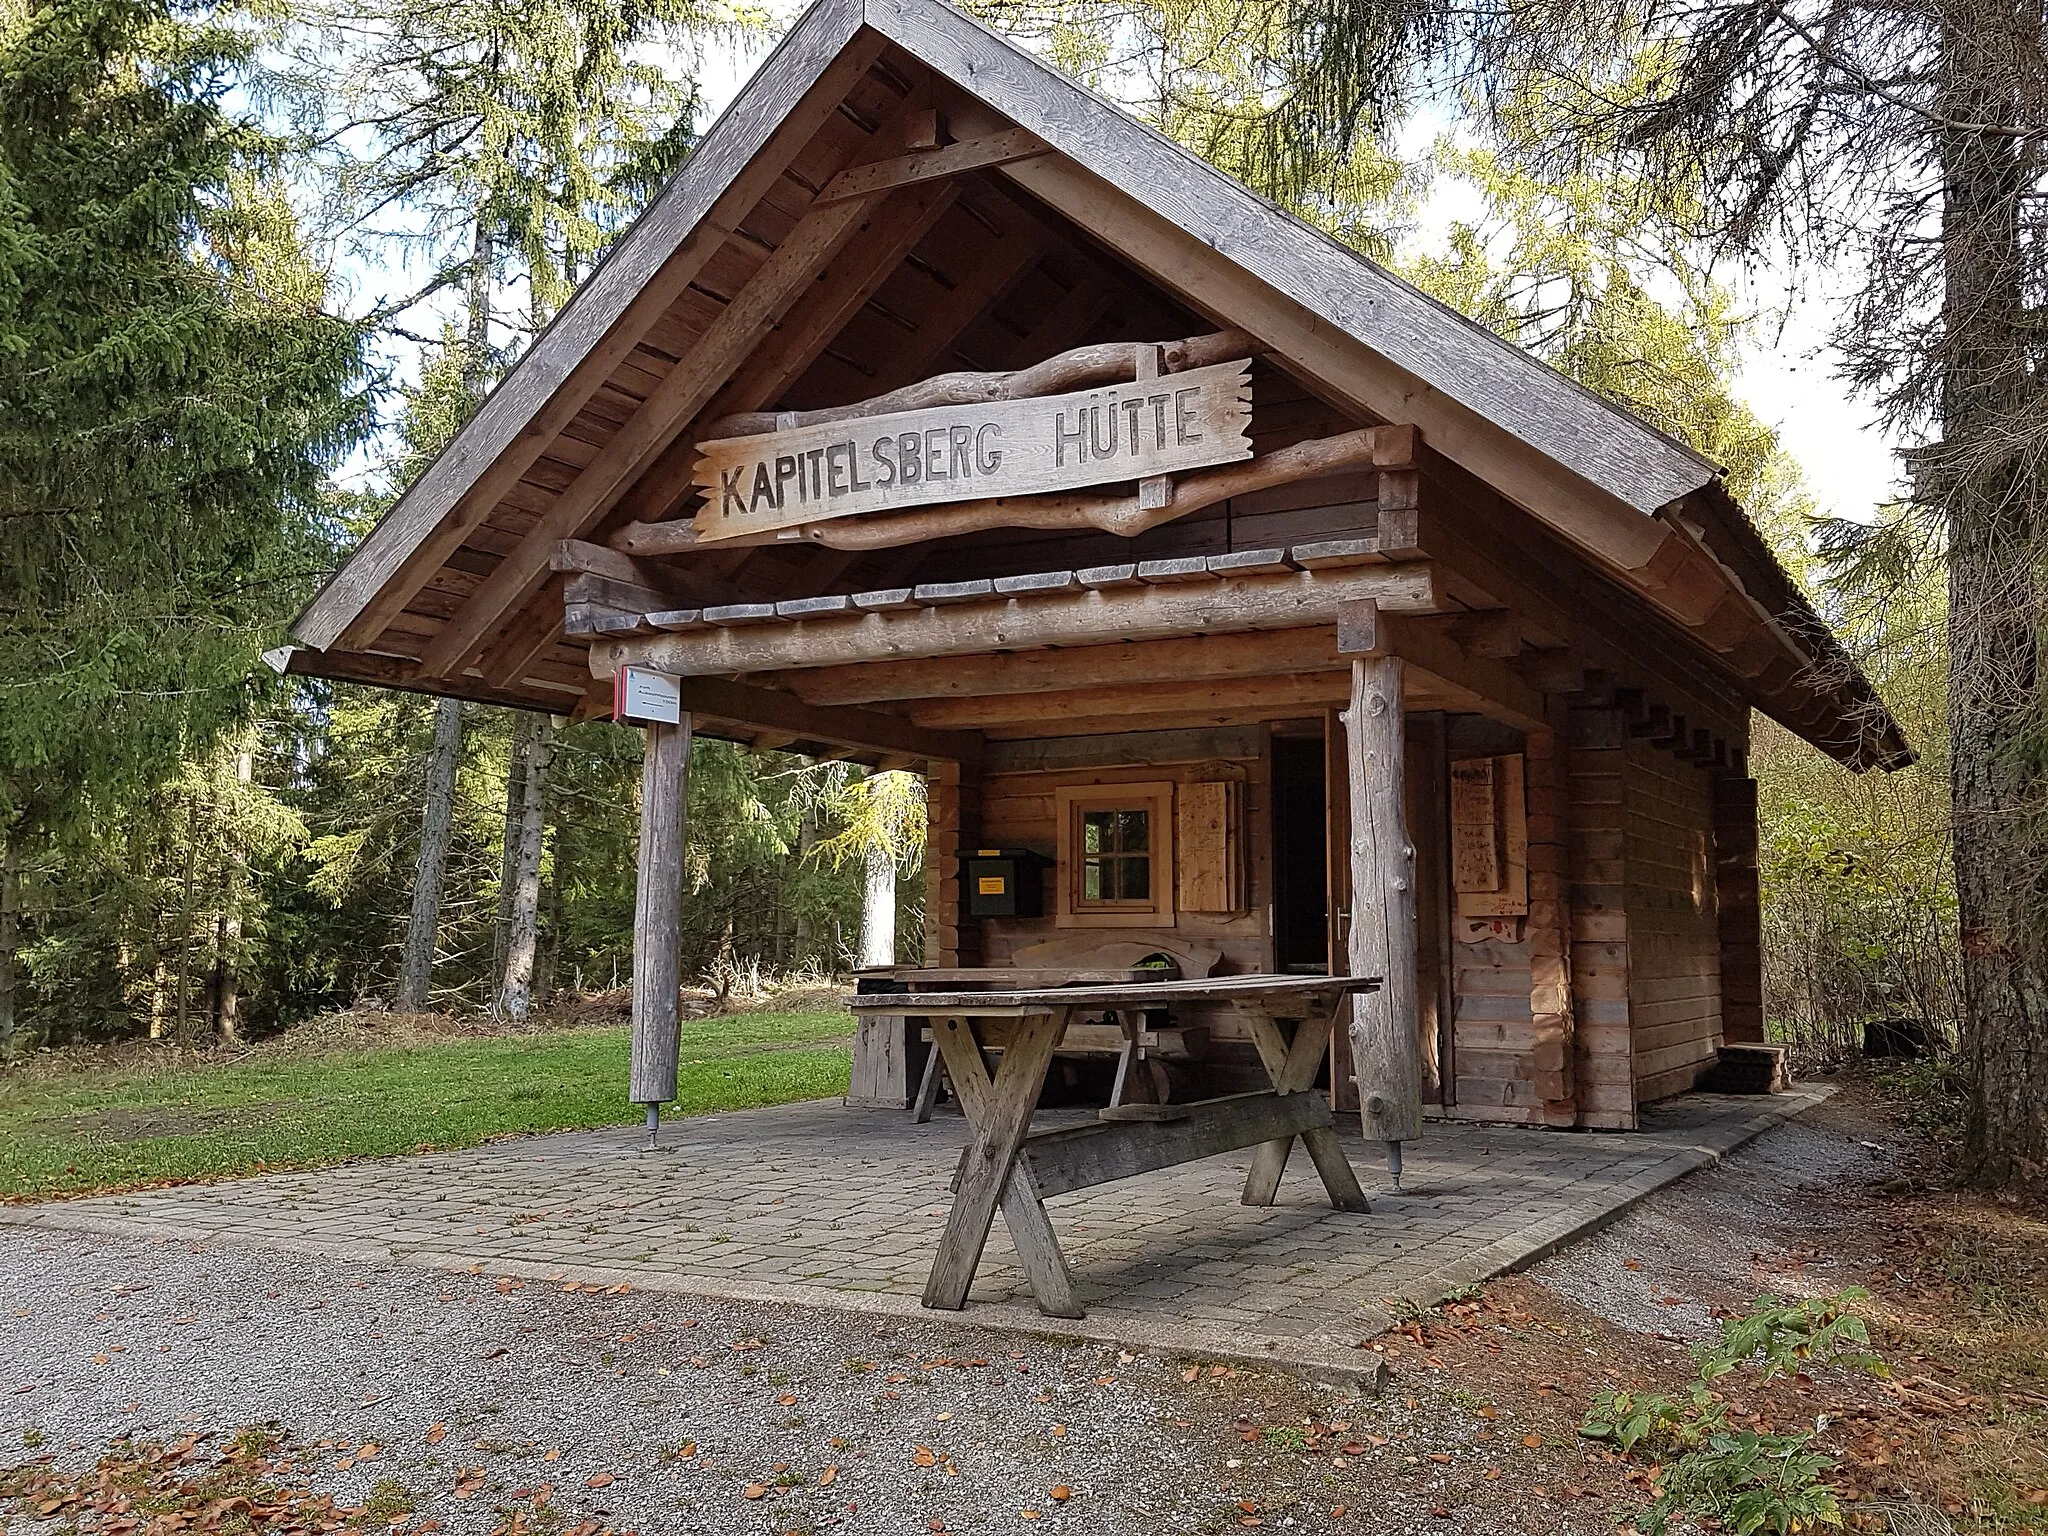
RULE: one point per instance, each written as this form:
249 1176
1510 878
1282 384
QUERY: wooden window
1116 855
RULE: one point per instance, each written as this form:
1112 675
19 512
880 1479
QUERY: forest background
334 223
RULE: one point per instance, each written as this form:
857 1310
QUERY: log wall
1674 937
1603 1073
1018 810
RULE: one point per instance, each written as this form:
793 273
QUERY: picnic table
1010 1167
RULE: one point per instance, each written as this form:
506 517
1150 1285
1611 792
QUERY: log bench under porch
1009 1166
1137 1039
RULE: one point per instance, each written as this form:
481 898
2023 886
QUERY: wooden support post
1337 902
1385 1041
658 915
1740 909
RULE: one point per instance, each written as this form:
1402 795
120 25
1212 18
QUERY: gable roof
1633 501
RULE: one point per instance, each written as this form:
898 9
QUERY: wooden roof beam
945 320
1069 618
771 120
934 164
781 715
1483 684
1187 696
1259 653
778 283
848 282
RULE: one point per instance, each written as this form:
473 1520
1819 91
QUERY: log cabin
1247 611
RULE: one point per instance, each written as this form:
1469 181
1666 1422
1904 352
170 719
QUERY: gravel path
495 1405
677 1409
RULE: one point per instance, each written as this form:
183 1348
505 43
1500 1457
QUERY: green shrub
1746 1481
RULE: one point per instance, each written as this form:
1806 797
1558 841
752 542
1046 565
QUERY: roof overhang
1638 505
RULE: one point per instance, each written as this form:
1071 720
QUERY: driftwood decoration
1117 514
1110 362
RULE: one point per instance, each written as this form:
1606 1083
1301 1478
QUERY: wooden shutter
1490 837
1210 843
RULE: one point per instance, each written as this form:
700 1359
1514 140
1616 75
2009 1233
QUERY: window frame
1155 798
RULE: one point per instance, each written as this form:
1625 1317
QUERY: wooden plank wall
1741 908
1602 1069
1546 767
1018 811
953 811
1674 935
1493 1060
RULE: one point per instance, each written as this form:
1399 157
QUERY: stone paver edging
817 1205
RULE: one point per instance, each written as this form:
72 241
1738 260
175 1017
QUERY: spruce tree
171 394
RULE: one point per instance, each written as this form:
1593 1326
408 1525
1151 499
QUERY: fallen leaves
1059 1493
599 1480
828 1477
437 1433
754 1491
924 1456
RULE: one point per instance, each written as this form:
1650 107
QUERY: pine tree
170 395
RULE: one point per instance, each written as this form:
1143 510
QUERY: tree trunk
878 910
227 978
420 932
806 934
515 994
476 370
185 927
508 846
1995 515
10 936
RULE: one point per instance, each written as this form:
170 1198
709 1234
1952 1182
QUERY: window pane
1137 878
1091 880
1098 831
1132 827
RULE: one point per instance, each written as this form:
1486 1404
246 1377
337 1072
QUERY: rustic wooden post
658 916
1385 1039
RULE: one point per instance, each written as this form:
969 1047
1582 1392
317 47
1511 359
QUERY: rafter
655 262
815 240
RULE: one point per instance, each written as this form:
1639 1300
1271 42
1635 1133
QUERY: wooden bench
1008 1166
1125 1035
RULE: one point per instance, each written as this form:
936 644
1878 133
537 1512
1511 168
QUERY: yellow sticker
988 853
991 885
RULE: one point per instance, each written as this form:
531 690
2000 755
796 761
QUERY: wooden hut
940 416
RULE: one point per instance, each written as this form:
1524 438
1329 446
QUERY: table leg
1292 1066
999 1114
1132 1026
928 1085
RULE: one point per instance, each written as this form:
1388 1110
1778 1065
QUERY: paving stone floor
816 1203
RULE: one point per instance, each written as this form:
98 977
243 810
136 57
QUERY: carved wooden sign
1093 437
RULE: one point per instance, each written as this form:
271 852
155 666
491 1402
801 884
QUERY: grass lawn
69 1132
